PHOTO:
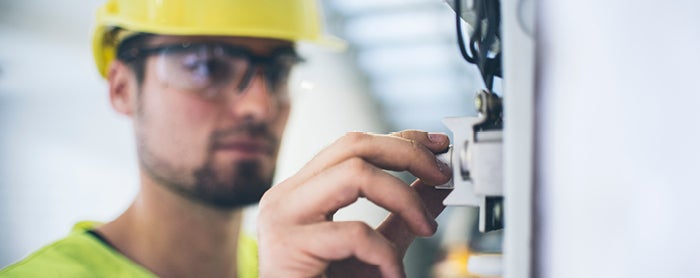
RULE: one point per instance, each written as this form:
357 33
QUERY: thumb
394 229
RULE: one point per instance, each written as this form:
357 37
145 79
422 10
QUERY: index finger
435 142
389 152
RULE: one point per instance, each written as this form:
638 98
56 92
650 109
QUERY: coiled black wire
488 12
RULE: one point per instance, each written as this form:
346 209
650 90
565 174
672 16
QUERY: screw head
479 103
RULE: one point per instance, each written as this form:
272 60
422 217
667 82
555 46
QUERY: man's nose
255 102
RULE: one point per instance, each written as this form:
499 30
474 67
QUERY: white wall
66 156
619 103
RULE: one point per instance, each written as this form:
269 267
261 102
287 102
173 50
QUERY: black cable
460 37
487 12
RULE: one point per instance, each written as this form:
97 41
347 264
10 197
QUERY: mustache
257 131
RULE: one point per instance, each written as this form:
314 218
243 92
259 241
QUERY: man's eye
277 75
278 71
206 69
199 67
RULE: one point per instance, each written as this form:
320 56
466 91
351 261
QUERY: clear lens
277 71
202 69
212 70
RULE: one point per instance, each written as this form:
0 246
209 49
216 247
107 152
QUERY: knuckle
412 133
421 149
401 134
268 207
265 201
417 146
359 230
357 166
354 137
263 205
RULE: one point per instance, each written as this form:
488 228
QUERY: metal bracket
477 161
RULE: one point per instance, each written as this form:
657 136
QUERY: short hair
136 64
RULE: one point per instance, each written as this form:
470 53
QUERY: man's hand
297 237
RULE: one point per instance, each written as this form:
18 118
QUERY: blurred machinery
589 172
486 162
477 154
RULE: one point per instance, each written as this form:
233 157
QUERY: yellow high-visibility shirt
81 254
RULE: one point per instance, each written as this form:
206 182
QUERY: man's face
220 151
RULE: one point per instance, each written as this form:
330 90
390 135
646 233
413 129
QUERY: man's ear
122 88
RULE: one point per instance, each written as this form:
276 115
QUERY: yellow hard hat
292 20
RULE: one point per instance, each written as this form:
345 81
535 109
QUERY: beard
245 188
224 187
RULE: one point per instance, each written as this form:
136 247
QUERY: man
204 83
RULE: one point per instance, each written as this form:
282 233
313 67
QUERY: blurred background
66 156
614 158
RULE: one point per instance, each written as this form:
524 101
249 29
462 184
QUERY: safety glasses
214 70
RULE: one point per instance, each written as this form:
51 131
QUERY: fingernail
436 137
444 168
443 161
